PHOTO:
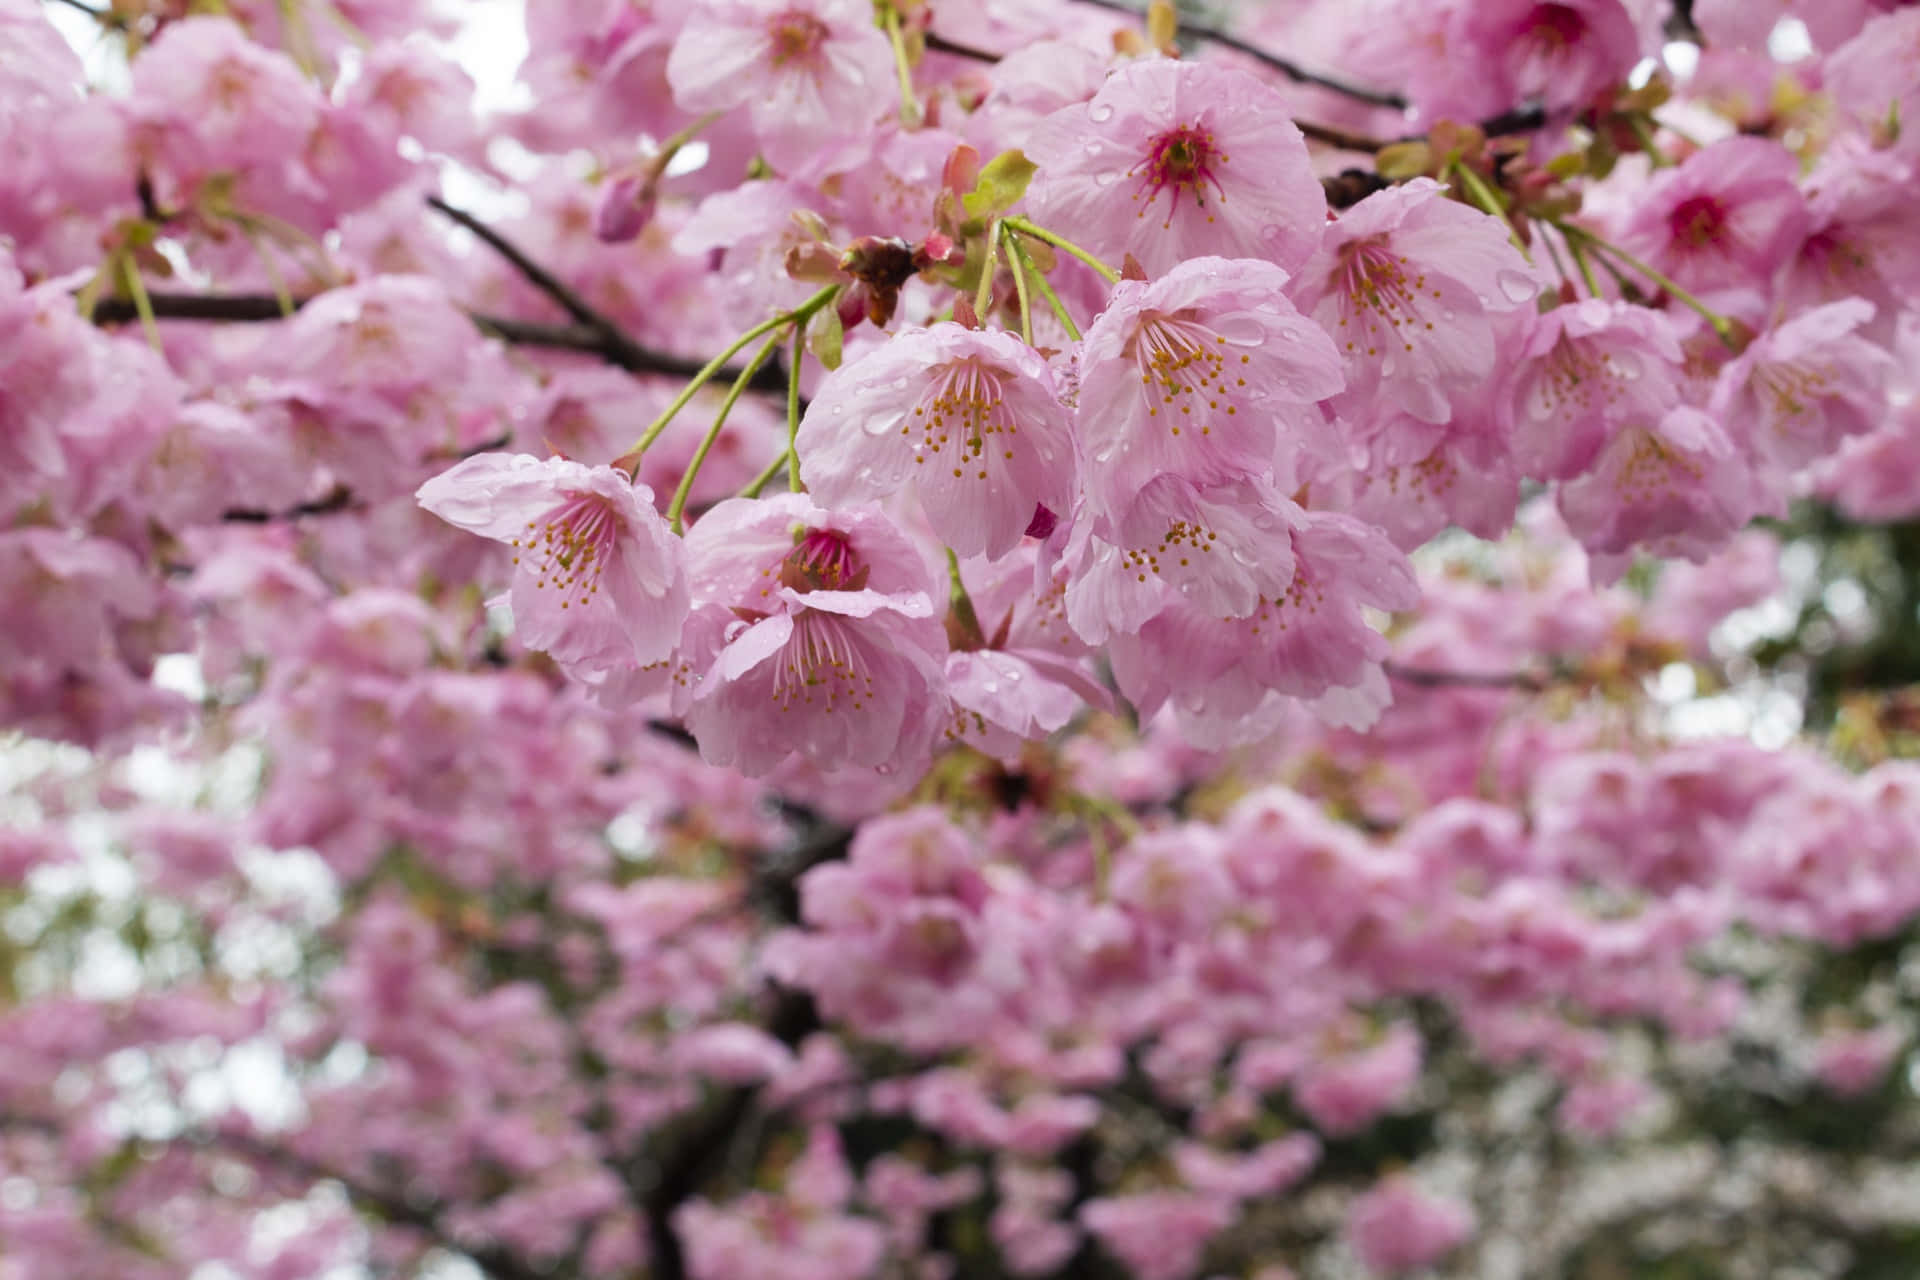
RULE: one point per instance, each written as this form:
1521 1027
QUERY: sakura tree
911 639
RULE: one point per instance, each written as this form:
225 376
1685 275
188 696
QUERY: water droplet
1518 286
1100 112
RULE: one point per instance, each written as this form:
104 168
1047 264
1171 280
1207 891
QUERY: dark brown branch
1285 66
536 275
1339 137
940 44
1433 678
249 307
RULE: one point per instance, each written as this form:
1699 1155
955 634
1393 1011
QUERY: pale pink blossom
1871 78
834 653
1208 374
1406 282
1398 1227
1171 160
809 72
1675 487
966 417
1158 1234
1806 386
575 530
1587 369
1563 54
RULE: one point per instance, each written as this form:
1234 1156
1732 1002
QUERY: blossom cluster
971 639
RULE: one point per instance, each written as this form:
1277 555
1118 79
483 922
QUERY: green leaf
824 337
1002 182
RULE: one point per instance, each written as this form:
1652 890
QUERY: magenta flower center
1183 160
1557 27
569 548
1697 222
1183 363
823 560
820 669
959 415
796 35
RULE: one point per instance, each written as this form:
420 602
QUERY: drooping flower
1221 549
1675 486
1406 282
1307 638
967 417
1806 386
1207 374
1586 369
1171 160
809 72
600 581
835 653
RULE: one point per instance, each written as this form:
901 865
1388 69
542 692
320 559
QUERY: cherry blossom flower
1806 386
574 530
1871 77
810 72
1585 370
1406 283
1398 1227
966 417
1207 158
1723 220
836 654
1562 54
1208 374
1676 487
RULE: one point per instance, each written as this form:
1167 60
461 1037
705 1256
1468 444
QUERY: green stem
678 506
1060 312
761 481
1580 261
1719 323
796 316
983 295
1559 263
1644 135
793 407
1016 261
1489 202
1026 228
909 105
141 302
960 602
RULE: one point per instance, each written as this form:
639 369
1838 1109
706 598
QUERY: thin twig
1433 678
1285 66
536 275
250 307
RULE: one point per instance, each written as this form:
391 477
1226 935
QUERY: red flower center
823 560
1697 222
1184 159
797 36
1558 26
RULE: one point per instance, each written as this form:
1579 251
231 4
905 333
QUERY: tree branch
1285 66
261 308
1432 678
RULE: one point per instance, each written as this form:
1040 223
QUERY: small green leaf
1002 182
824 337
1402 160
